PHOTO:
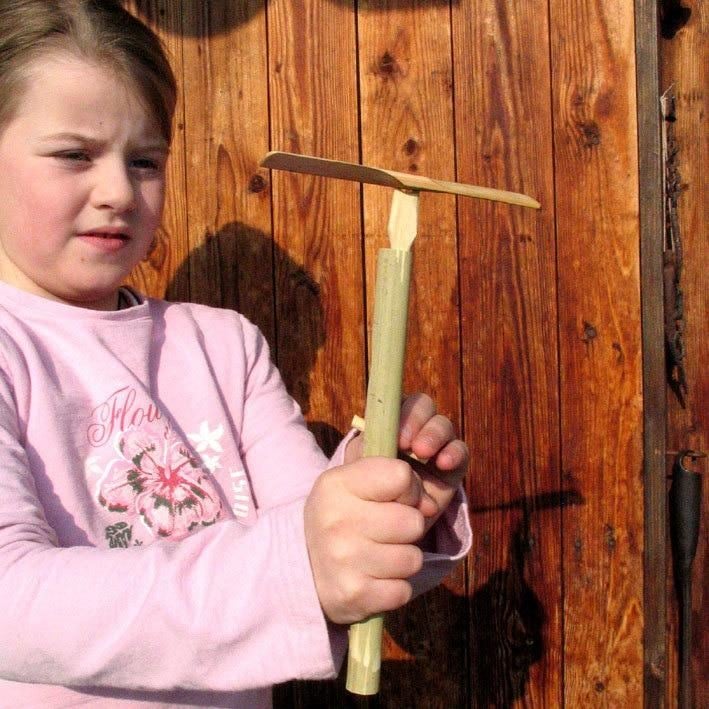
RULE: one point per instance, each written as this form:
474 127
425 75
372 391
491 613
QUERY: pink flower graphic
157 478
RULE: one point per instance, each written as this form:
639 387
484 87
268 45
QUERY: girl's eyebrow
151 145
70 136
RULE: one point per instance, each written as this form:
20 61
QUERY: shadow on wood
507 621
506 615
234 268
218 17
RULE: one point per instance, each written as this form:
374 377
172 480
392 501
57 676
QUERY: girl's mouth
105 241
106 235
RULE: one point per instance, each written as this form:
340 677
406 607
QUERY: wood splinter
391 301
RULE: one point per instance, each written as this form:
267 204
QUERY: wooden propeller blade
340 170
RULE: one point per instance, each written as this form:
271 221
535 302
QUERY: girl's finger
392 561
381 595
383 480
391 523
416 410
453 456
433 436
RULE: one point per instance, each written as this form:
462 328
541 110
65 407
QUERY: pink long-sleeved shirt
153 472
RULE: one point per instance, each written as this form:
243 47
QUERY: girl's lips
105 241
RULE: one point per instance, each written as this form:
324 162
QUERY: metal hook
692 455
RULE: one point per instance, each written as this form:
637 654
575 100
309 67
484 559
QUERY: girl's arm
227 608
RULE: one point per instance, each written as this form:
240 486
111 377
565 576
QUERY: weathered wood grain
530 341
508 310
651 175
684 62
317 226
226 129
155 275
405 74
596 187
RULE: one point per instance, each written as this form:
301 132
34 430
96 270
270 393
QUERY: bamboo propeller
391 299
404 181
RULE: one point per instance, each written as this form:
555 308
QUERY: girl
169 531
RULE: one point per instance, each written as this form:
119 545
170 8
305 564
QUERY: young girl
170 534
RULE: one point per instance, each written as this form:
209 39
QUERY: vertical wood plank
155 275
593 70
684 62
317 227
406 84
226 120
651 176
508 306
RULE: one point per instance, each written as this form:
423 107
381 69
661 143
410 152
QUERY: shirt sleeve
281 455
227 608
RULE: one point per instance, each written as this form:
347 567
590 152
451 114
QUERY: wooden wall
525 326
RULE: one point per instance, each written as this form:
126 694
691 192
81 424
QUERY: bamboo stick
381 433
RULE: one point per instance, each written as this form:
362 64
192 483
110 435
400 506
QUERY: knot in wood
387 67
411 146
257 184
589 332
591 133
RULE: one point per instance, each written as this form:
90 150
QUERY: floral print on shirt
155 477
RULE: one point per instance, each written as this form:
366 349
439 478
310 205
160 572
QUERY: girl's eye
146 164
74 156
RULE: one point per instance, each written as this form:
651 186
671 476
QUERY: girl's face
82 181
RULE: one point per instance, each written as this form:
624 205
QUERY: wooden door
525 326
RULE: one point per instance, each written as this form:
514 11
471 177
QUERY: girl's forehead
64 88
64 69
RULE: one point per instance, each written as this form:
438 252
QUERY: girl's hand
362 524
365 521
431 436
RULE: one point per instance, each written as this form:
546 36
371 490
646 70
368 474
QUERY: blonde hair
100 31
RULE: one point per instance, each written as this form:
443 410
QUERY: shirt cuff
453 537
338 457
315 646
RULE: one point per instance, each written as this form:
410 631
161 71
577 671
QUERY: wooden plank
317 226
407 126
226 119
651 176
317 232
508 306
684 62
596 170
156 275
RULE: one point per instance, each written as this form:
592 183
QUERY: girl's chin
83 287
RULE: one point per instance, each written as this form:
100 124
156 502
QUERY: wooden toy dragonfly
388 338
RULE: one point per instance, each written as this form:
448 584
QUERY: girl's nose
114 188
